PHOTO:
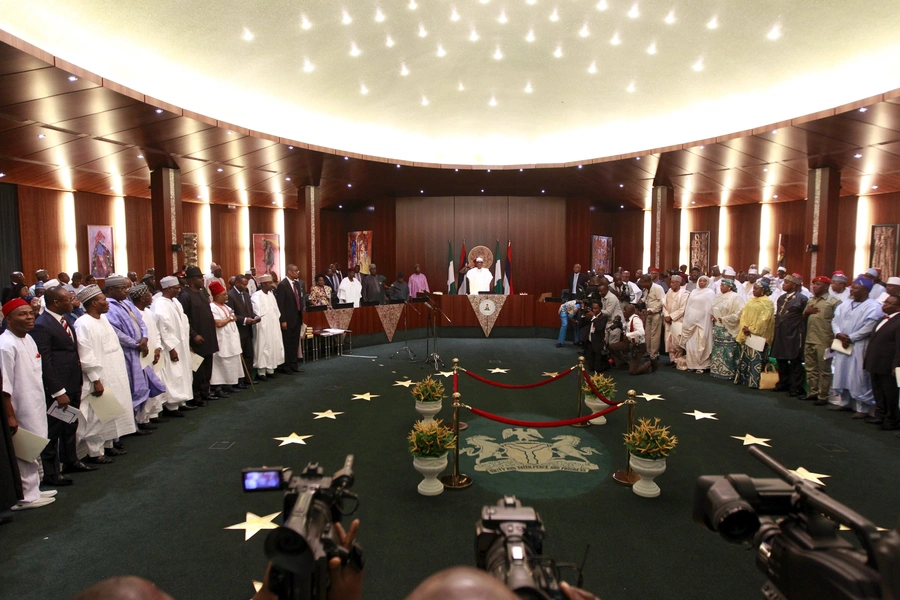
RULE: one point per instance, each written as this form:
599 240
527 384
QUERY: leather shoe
820 402
261 379
835 407
99 460
242 386
874 420
57 481
77 467
215 396
118 445
297 369
890 426
186 408
811 397
159 420
196 404
559 345
115 451
140 432
860 415
223 394
173 413
797 394
236 389
147 426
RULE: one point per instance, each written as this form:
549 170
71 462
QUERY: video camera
300 549
796 538
508 544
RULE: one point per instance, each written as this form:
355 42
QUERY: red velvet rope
518 387
596 393
455 381
500 419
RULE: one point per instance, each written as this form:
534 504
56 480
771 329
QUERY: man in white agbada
268 349
479 279
103 371
350 290
673 313
696 332
853 324
227 369
23 394
141 298
174 334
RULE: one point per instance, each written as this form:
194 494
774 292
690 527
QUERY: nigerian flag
498 272
451 271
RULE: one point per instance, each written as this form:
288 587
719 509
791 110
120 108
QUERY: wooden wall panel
846 235
139 229
627 231
225 231
332 234
424 228
578 232
743 234
262 220
42 235
292 246
789 219
92 209
537 228
481 222
191 217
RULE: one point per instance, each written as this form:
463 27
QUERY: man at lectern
479 279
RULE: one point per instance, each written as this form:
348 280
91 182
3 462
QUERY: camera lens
735 521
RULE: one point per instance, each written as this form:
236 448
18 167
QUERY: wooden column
821 229
663 230
310 246
168 232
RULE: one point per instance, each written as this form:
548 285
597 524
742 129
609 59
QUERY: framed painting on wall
267 253
883 250
700 251
359 250
601 253
100 250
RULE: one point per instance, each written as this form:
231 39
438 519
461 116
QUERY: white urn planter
648 469
593 403
430 467
428 410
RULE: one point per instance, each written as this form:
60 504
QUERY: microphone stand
406 348
434 358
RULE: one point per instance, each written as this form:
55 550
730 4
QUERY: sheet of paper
883 297
146 361
334 331
197 360
757 342
897 375
838 346
829 354
66 415
28 445
106 407
676 327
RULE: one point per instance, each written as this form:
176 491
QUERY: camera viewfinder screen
262 480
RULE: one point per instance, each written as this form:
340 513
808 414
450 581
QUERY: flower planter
648 469
595 405
428 410
430 467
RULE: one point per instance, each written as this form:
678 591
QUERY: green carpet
161 510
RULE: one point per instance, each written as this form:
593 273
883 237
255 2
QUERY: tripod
433 358
406 348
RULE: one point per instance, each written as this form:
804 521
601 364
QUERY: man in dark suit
790 329
239 301
202 335
593 333
576 283
16 282
54 335
290 296
882 357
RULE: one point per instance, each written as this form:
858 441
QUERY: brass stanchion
580 370
463 425
627 476
456 481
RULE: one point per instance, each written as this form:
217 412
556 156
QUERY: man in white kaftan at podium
479 279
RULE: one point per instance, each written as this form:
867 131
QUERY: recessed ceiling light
520 170
412 5
530 36
456 170
304 22
774 33
41 136
616 40
340 206
857 155
621 185
698 66
349 185
482 191
863 109
140 156
248 35
287 178
874 187
201 196
584 31
558 52
363 89
398 166
421 191
670 18
389 42
424 101
72 78
290 147
498 54
441 52
652 48
346 158
307 66
346 19
159 111
493 101
454 16
693 202
765 170
775 195
631 87
774 131
635 12
230 133
273 202
637 158
403 70
554 16
220 169
354 49
488 170
579 166
502 18
543 191
621 206
422 31
602 5
461 87
712 23
593 68
528 88
473 37
379 16
701 147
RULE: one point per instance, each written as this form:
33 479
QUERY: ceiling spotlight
630 89
441 52
530 36
774 33
520 170
712 23
422 31
652 48
41 136
482 190
454 16
493 101
498 54
346 158
621 185
72 78
248 35
389 42
159 111
863 109
775 195
670 18
602 5
543 191
307 66
349 185
379 16
584 31
424 101
774 131
219 170
702 147
766 170
473 37
693 202
698 66
398 166
354 49
502 18
304 22
558 52
198 197
616 40
857 155
230 133
461 87
635 12
363 89
2 174
554 16
874 187
488 170
412 5
421 191
340 206
528 88
290 147
621 206
287 178
532 2
593 68
637 158
140 156
346 19
579 166
403 70
456 170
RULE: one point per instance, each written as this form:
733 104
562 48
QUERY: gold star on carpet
292 439
549 374
701 415
499 370
257 585
447 373
406 383
367 396
650 397
328 414
254 524
749 440
814 477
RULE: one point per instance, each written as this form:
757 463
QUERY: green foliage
605 385
428 390
430 439
649 440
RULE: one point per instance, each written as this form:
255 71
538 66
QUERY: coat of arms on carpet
529 452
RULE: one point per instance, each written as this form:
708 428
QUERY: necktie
65 326
296 288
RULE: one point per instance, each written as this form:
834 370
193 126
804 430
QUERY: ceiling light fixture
290 147
41 136
635 12
473 37
863 109
403 70
621 185
230 133
398 166
584 31
354 49
621 206
530 36
593 68
72 78
775 196
346 19
346 158
698 66
2 174
579 166
528 88
493 101
307 66
140 156
441 52
712 23
461 87
412 5
616 40
857 155
602 5
652 48
631 87
874 187
363 89
670 18
389 42
248 35
554 16
502 18
424 101
349 185
702 147
287 178
774 131
558 52
219 170
304 22
497 54
159 111
454 16
422 31
379 16
774 33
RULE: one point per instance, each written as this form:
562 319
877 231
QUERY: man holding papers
23 399
882 360
787 346
105 392
819 314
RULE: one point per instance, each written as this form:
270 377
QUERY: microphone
427 305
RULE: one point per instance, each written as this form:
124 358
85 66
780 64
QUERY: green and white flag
451 271
498 272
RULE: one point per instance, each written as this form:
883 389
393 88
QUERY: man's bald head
461 583
123 588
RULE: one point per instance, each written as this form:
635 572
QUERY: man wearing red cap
819 314
787 346
23 394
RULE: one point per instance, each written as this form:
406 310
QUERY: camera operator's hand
574 593
346 580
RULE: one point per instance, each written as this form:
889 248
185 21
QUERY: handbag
768 378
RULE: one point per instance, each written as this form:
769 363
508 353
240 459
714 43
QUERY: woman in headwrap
757 318
696 333
726 316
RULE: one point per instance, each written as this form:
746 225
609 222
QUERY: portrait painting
267 253
601 253
883 253
101 250
700 250
359 250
